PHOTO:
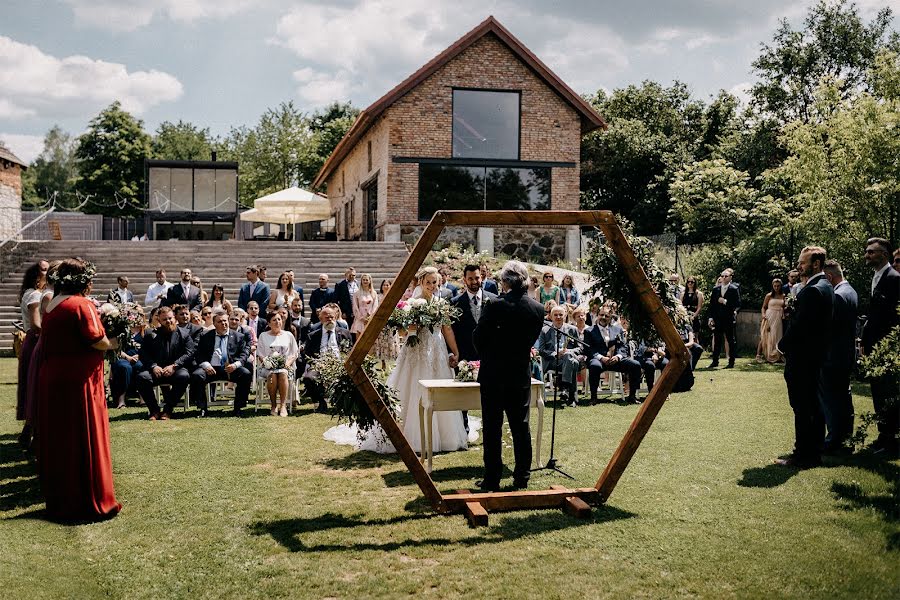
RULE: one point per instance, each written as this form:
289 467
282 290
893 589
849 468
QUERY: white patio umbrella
290 206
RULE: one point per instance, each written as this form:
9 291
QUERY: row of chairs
611 383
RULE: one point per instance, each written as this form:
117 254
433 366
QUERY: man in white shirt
157 291
326 338
122 293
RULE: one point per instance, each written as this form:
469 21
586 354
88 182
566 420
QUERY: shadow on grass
768 476
886 504
360 460
19 486
401 478
288 532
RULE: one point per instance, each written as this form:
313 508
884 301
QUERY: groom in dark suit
724 303
805 349
471 305
505 334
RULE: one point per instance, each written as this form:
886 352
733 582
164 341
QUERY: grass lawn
263 507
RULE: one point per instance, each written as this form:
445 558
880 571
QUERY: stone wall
538 245
462 236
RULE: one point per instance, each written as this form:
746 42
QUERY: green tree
328 126
182 141
110 158
834 43
711 202
53 173
653 131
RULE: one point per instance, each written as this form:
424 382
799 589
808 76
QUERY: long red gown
74 461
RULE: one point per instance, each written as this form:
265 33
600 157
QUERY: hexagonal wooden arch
557 496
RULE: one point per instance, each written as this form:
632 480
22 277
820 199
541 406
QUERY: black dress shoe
237 412
730 365
203 413
796 462
485 486
520 484
714 364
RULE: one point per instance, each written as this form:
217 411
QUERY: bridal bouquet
467 370
422 313
274 362
118 320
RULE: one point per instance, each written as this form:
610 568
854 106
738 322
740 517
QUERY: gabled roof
7 155
590 120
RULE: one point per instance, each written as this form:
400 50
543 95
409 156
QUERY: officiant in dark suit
505 334
724 303
882 318
221 355
184 293
805 348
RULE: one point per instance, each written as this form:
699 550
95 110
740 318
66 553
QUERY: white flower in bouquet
109 310
418 302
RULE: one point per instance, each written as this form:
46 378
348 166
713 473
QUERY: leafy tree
110 157
710 202
653 131
328 126
53 173
181 141
834 43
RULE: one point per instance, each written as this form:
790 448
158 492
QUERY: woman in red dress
74 462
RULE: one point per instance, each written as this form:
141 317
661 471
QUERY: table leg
429 414
421 431
537 395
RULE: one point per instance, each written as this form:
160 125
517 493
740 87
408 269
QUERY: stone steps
221 262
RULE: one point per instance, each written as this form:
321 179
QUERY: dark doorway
371 210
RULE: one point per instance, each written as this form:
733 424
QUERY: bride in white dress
429 359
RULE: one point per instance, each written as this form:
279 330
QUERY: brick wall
10 199
420 125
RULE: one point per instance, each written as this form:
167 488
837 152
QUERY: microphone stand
552 464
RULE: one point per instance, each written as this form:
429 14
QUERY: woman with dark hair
30 295
217 299
692 300
74 462
283 294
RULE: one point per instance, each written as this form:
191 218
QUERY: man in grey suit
559 350
834 382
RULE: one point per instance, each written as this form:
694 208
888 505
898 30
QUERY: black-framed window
452 187
486 124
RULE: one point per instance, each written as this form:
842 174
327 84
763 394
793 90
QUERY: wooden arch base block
577 501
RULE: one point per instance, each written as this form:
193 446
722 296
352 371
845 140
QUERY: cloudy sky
221 63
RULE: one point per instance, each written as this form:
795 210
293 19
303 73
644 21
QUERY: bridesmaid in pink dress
365 301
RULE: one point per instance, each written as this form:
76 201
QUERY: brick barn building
483 125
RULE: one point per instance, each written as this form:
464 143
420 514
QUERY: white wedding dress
429 359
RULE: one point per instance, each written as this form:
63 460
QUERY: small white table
449 394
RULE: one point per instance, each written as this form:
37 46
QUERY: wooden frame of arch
557 496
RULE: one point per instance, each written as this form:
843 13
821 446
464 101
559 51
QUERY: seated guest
236 322
156 292
301 324
339 321
122 373
548 291
255 322
533 286
221 355
217 300
651 358
690 342
549 305
297 287
153 321
579 318
608 351
288 324
196 319
560 352
204 297
277 341
282 295
568 294
327 338
488 283
183 317
167 353
448 289
183 292
319 297
122 293
593 310
206 318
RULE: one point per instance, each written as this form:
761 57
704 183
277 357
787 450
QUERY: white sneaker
282 412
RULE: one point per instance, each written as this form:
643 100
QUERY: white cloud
363 50
33 83
26 147
129 15
742 91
